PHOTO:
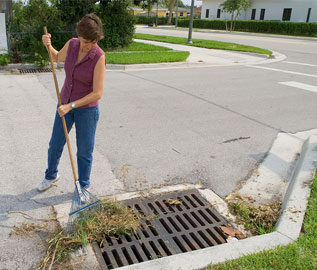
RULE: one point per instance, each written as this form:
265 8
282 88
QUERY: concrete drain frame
287 229
174 223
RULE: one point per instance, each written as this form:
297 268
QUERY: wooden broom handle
60 103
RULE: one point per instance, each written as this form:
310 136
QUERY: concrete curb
287 229
276 57
295 199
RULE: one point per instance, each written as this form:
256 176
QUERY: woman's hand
46 39
64 109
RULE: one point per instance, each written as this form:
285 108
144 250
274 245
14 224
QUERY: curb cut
287 228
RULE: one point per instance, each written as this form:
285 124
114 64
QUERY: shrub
25 30
118 23
4 59
270 27
150 20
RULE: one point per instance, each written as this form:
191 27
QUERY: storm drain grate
176 223
35 70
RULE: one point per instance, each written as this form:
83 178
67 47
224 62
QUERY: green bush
118 23
4 59
25 30
150 20
270 27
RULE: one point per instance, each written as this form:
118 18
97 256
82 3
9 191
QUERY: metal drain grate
177 223
35 70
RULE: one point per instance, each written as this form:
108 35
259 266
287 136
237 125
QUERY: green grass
210 44
139 46
135 53
146 57
142 53
301 255
258 219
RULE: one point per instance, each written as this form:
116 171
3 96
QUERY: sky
188 2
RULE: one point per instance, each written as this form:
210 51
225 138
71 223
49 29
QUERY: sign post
189 41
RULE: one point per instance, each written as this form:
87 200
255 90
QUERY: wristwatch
73 105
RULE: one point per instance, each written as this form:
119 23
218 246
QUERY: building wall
273 10
3 35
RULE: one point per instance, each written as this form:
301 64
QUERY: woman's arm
96 94
58 56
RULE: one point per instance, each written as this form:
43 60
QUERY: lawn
209 44
141 53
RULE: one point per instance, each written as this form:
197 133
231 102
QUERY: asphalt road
157 127
209 124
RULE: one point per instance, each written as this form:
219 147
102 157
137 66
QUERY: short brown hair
90 27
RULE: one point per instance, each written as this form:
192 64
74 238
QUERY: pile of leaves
110 218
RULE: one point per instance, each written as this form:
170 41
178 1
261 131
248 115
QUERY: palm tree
170 14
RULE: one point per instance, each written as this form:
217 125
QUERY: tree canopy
234 7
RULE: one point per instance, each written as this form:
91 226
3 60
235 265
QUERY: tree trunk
232 16
170 14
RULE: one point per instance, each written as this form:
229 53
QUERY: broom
82 199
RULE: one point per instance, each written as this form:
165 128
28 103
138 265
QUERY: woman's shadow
26 201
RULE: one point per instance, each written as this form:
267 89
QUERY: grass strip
139 46
209 44
146 57
299 255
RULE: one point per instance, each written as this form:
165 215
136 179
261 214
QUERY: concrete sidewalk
203 56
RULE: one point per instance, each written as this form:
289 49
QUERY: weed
258 219
4 59
40 61
111 218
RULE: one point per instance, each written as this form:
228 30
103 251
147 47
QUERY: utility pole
189 41
176 13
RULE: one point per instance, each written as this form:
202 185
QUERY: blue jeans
85 120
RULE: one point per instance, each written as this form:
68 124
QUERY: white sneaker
46 184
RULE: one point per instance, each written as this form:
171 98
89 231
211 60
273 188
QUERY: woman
83 86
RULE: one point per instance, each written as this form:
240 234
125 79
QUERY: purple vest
79 77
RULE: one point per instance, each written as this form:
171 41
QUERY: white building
3 35
268 10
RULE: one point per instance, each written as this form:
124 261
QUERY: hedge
270 27
150 20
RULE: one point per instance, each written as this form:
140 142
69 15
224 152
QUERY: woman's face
86 45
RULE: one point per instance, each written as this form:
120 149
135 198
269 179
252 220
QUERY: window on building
218 13
181 14
207 13
308 15
287 14
253 14
262 14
